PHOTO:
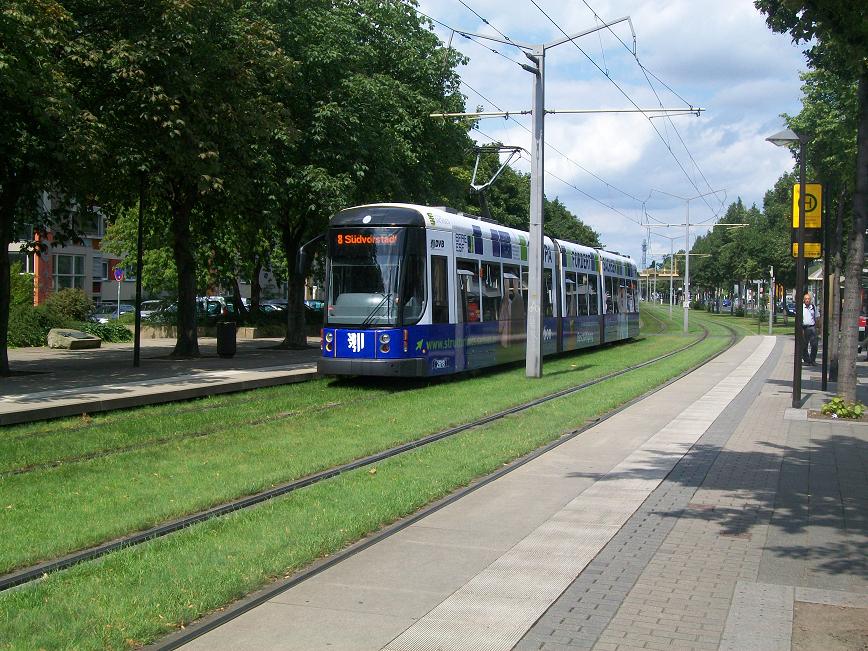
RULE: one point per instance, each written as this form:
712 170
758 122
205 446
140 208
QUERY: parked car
726 303
150 308
105 312
315 305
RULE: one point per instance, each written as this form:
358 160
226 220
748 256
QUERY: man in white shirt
809 330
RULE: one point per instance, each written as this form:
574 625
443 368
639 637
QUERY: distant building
82 266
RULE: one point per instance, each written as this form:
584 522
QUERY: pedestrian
809 330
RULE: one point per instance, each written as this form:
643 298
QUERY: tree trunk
255 287
835 288
5 290
9 197
855 256
187 343
242 314
296 331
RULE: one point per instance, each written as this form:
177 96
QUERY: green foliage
739 311
111 332
69 305
508 200
21 286
838 408
29 325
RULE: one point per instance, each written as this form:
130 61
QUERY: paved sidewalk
50 383
764 515
700 518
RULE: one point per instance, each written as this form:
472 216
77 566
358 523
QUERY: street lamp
787 138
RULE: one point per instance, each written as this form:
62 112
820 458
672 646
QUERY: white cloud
718 55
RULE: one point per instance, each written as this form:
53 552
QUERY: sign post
119 276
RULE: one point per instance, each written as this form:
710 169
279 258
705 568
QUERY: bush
69 305
21 286
739 311
837 408
111 332
29 325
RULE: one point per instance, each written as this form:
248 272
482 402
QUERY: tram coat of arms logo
356 341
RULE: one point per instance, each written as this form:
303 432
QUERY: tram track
34 572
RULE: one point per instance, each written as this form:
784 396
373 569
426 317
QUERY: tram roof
406 214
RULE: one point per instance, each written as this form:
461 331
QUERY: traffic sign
812 250
119 274
813 205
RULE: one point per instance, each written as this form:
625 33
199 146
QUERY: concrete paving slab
761 618
52 384
361 598
299 628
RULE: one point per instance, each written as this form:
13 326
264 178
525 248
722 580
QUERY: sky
611 168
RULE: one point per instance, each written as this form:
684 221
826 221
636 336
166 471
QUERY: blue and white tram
421 291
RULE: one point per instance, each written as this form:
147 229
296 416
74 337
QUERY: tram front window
365 282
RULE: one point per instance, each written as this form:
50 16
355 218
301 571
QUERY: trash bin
226 339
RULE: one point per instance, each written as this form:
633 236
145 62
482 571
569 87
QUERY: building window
24 258
68 271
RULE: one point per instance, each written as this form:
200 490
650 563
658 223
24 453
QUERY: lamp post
787 138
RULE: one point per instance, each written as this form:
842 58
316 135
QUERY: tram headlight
329 337
328 348
385 348
385 338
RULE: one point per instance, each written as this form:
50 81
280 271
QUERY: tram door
442 286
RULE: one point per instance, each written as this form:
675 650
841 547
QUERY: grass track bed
138 594
54 511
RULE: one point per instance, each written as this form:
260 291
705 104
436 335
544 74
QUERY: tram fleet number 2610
421 291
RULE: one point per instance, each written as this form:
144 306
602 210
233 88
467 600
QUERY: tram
418 291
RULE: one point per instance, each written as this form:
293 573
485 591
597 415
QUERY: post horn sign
813 220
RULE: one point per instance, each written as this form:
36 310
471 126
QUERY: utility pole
536 54
686 293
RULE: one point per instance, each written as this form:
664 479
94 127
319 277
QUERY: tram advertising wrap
420 291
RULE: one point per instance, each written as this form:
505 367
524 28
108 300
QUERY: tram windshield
376 276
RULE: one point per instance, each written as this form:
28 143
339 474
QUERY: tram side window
525 283
492 291
611 304
413 291
581 295
439 290
468 290
622 296
593 301
548 304
513 307
574 296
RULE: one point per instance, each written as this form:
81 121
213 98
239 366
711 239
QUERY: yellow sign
813 206
812 250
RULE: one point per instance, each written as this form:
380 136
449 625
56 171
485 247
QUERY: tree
185 90
368 75
828 114
41 129
508 201
839 29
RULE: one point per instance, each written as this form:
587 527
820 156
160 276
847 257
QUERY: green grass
231 450
747 325
136 595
